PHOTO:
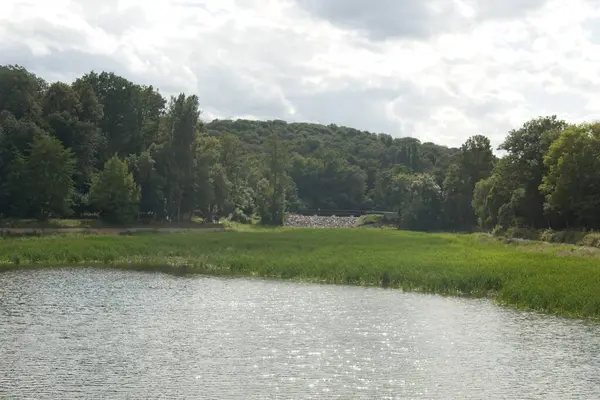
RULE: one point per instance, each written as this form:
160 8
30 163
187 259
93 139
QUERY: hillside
336 166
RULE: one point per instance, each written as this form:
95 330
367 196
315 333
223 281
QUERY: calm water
111 334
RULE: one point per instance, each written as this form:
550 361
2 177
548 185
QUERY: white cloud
486 69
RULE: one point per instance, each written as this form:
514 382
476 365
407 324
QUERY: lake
100 333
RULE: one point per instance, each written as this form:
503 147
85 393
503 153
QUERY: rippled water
88 333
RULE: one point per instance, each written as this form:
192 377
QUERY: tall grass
547 278
580 238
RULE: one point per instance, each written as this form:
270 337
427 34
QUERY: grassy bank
579 238
550 278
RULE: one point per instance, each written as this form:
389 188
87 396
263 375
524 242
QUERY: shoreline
193 270
552 279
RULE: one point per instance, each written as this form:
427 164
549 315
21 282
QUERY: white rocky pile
315 221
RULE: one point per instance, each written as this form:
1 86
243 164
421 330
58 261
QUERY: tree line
107 146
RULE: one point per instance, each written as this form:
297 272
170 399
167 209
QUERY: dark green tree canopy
106 145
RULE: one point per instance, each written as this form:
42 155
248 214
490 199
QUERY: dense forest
106 146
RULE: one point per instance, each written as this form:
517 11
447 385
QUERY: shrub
523 233
371 219
591 239
239 216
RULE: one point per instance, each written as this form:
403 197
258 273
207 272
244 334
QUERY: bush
498 231
371 219
591 239
572 237
522 233
239 216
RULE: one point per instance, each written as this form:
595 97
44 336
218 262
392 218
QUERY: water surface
92 333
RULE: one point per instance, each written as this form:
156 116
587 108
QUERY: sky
439 70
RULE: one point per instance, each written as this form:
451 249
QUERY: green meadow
556 279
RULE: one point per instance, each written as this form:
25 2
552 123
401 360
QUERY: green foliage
130 115
68 119
524 165
547 177
474 163
239 216
371 219
182 127
329 181
184 167
564 236
591 239
492 194
553 279
114 192
20 93
337 167
420 202
47 184
272 190
572 184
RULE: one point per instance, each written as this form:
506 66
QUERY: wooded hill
103 144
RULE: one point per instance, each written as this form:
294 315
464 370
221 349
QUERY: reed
555 279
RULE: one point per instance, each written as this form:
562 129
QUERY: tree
496 191
114 192
16 138
182 127
547 178
47 178
455 199
66 118
130 113
572 184
272 200
205 165
475 162
20 92
221 190
476 159
418 201
235 161
143 167
327 181
526 148
387 195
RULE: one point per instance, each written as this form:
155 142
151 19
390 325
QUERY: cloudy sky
438 70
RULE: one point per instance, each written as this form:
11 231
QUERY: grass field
84 223
557 279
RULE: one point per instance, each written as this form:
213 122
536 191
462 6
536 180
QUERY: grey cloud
496 9
119 21
228 94
379 20
68 65
566 103
360 108
59 65
43 32
259 71
192 4
413 19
